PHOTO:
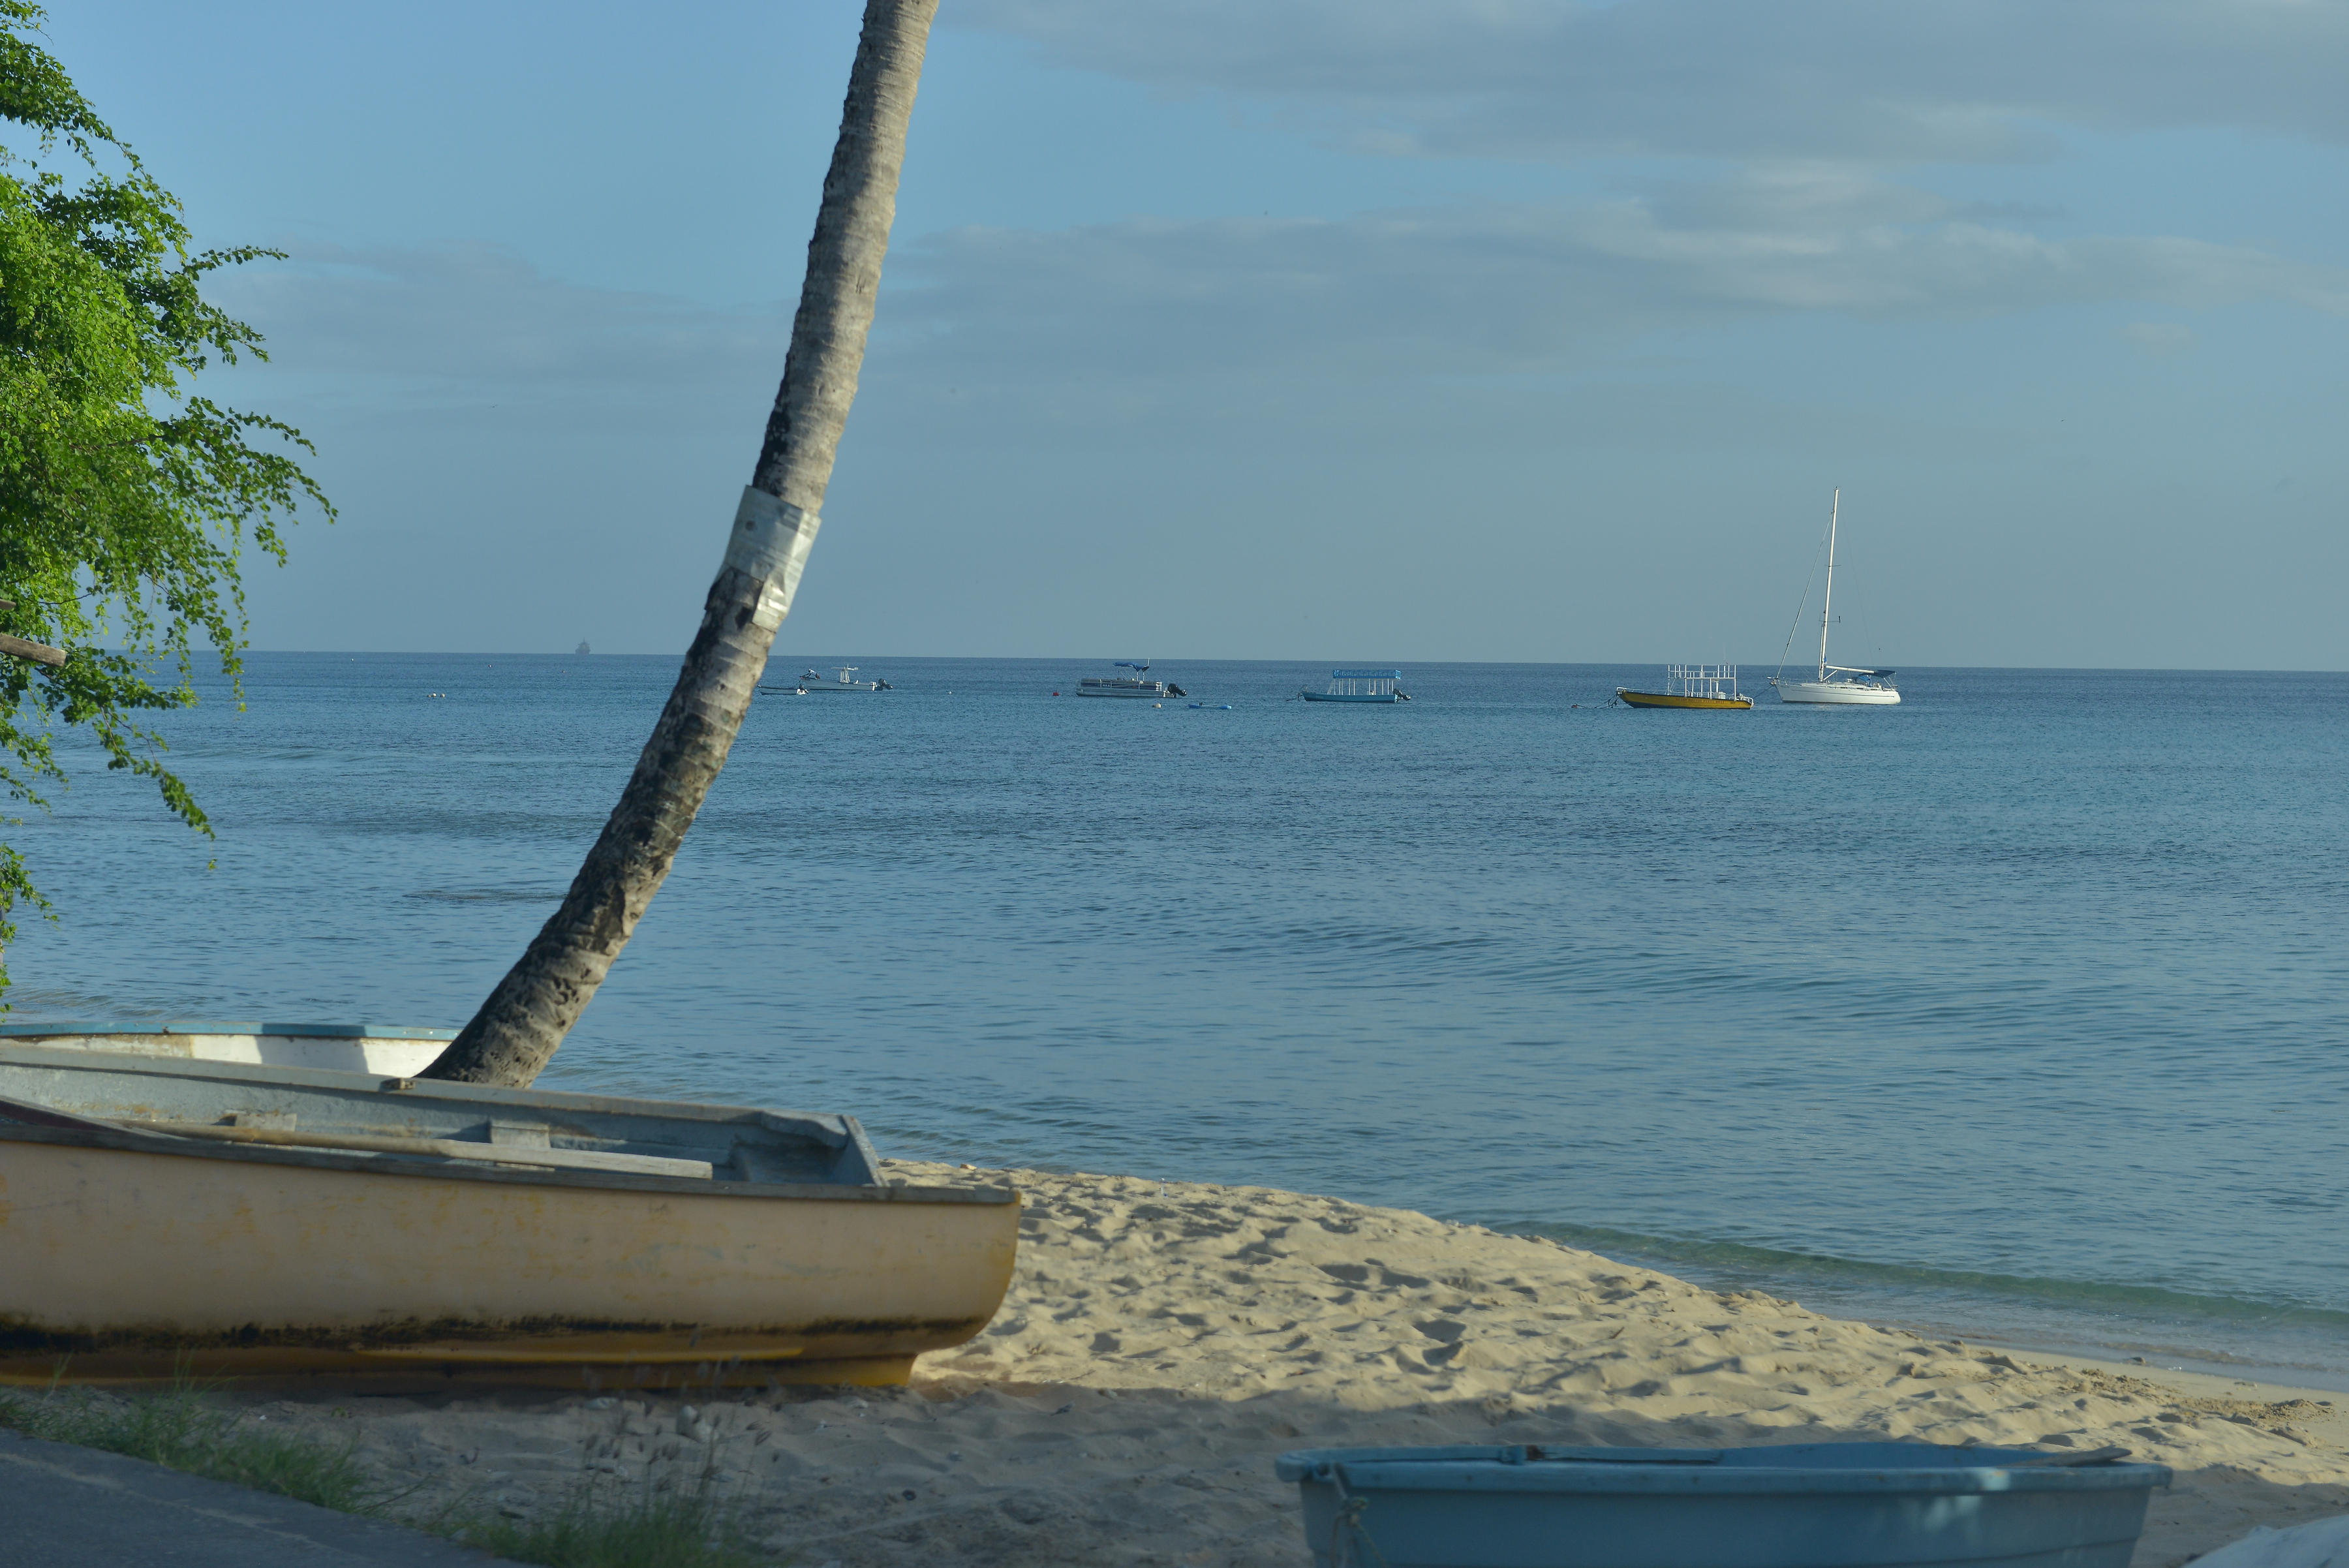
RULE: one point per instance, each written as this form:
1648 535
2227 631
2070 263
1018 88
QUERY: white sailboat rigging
1836 683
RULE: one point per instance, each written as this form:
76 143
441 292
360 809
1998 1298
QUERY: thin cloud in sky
1796 104
1493 288
465 317
1508 288
1919 80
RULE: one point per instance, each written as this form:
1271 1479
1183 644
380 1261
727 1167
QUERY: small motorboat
812 683
174 1217
1797 1505
1359 686
1134 685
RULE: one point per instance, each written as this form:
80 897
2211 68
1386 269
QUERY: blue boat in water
1797 1505
1360 686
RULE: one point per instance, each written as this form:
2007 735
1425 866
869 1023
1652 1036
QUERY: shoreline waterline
2092 1320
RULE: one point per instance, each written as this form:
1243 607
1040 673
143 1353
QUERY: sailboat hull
1838 692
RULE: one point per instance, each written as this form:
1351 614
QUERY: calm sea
2020 1009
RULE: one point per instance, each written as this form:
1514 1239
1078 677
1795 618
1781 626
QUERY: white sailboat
1837 683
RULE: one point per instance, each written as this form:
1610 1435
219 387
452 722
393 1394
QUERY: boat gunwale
1931 1468
132 1029
430 1167
825 1126
828 1129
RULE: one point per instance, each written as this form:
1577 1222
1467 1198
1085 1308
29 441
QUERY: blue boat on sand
1360 686
1797 1505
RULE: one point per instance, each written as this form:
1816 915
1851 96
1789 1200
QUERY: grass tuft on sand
177 1429
645 1530
653 1529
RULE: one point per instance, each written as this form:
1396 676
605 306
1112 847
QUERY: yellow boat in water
167 1216
1691 686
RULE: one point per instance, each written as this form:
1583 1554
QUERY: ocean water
2018 1011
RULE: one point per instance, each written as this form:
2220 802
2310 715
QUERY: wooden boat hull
1664 699
134 1256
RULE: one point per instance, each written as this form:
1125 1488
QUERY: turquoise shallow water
2019 1009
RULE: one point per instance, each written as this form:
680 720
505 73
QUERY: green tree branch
125 501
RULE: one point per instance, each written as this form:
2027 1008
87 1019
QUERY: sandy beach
1163 1341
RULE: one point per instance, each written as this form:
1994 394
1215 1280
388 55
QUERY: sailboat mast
1834 507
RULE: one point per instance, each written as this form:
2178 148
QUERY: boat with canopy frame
1700 686
1360 686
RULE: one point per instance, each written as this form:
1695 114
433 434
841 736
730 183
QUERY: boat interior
309 1115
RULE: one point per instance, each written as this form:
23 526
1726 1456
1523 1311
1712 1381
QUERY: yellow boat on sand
1691 686
165 1217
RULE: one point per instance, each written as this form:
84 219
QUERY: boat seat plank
450 1149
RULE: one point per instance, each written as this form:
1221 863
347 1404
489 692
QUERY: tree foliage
127 501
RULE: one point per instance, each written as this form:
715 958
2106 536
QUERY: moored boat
183 1216
1120 686
1836 683
1712 686
1359 686
1839 683
813 684
1134 685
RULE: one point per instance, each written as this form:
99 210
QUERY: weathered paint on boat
133 1255
337 1047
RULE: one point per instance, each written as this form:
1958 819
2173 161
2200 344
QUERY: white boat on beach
1836 683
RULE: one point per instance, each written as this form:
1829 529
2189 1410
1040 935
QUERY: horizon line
1091 659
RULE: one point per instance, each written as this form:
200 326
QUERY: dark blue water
2019 1009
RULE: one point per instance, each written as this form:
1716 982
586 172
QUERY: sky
1357 330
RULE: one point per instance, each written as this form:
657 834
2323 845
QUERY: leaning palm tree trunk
526 1017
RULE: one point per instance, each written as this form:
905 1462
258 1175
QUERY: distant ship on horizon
583 647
